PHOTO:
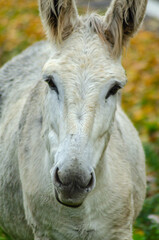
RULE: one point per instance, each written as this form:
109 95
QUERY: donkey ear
122 20
58 18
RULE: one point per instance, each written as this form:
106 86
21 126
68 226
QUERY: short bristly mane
118 25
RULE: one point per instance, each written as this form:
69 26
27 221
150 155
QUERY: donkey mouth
68 202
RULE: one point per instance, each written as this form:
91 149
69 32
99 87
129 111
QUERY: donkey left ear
58 18
122 20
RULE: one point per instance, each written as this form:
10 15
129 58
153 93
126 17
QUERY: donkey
72 166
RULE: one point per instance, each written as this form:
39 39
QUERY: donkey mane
120 25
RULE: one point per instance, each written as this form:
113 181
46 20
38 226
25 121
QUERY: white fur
77 129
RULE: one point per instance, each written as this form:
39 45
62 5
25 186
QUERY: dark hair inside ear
52 20
128 24
59 18
122 20
56 7
53 16
109 37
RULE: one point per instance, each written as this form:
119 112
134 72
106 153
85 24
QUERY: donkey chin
72 192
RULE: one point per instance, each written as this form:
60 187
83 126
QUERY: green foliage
148 221
138 237
3 236
152 155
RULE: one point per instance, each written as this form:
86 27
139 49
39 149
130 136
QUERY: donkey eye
113 90
52 85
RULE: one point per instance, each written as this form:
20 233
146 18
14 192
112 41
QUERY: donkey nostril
91 183
56 177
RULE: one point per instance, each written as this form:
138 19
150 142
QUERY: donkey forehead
79 65
84 56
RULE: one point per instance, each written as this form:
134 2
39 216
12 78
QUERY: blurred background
20 26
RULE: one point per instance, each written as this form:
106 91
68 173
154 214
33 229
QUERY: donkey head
83 77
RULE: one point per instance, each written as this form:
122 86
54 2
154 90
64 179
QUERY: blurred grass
3 236
20 26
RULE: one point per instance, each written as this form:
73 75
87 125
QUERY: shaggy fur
60 16
122 21
71 131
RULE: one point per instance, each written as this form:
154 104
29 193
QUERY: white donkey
71 163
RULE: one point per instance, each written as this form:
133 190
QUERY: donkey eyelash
113 90
51 83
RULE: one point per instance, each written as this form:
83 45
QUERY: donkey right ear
58 17
122 20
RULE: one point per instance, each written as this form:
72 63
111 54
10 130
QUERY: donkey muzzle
72 187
